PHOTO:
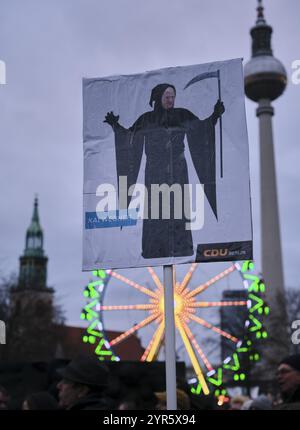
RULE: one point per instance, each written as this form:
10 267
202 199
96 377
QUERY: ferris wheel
137 307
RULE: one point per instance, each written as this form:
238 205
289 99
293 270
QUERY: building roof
71 344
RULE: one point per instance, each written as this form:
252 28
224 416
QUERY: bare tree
31 323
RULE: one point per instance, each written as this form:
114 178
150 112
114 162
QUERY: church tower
33 263
33 315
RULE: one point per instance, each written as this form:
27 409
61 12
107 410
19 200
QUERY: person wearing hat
288 376
83 385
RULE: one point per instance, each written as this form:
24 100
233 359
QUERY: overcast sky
49 45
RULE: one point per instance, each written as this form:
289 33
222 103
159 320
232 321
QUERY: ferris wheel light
196 346
192 356
186 306
210 282
154 344
155 279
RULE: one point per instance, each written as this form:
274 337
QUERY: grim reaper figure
161 134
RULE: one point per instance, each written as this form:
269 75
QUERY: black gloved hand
111 119
219 109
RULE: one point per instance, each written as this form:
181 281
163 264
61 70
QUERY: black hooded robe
161 134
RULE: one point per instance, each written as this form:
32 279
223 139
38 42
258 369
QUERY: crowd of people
86 384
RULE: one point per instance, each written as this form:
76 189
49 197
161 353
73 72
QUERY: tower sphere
265 76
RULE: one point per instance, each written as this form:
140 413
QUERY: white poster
166 167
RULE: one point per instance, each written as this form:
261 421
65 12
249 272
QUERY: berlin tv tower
265 81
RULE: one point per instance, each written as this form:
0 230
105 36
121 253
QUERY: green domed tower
32 329
33 263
